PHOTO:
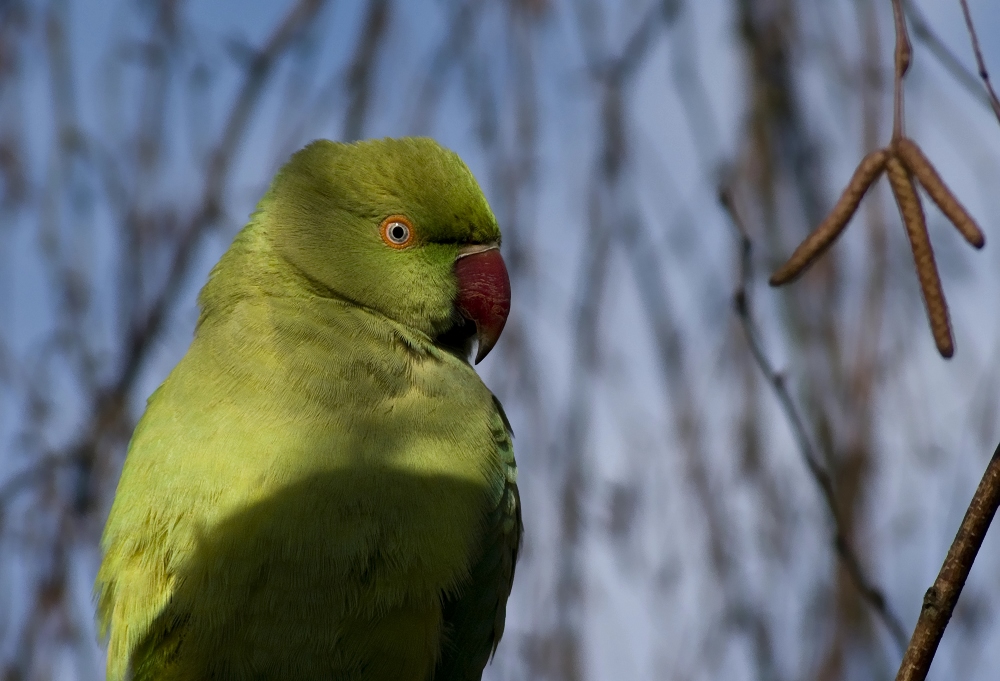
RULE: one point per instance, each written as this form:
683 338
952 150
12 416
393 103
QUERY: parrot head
399 226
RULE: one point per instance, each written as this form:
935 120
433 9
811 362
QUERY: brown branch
980 62
941 598
901 59
869 591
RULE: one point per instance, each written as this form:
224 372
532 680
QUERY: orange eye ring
397 231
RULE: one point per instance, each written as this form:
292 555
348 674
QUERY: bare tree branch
872 594
941 598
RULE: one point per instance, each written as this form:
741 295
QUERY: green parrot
323 487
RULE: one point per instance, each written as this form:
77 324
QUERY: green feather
319 490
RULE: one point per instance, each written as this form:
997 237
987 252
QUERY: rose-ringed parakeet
323 488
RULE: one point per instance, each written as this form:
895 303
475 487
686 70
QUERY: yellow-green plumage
319 490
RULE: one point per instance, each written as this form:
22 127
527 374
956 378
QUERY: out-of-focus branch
216 178
638 44
872 594
461 31
28 477
260 67
562 655
680 383
980 62
941 598
693 96
109 401
359 75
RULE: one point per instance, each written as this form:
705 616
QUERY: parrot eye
397 232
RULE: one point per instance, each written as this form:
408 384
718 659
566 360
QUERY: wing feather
474 617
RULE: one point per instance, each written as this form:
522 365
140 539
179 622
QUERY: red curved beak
483 293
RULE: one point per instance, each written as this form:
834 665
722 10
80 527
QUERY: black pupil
397 232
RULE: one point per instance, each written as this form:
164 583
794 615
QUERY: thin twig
870 593
951 63
980 62
941 598
901 64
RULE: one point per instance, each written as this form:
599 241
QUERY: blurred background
675 527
